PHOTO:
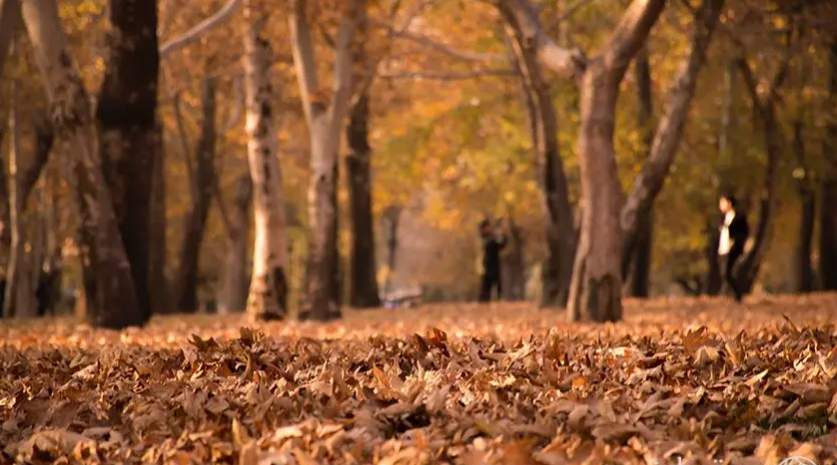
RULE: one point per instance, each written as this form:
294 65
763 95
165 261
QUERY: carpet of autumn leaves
679 381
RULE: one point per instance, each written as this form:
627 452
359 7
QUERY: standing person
734 232
492 244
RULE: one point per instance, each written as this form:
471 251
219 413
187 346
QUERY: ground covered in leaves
683 381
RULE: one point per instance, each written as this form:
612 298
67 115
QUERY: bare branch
450 76
630 34
194 34
524 16
304 58
440 47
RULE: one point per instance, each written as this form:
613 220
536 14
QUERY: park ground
678 381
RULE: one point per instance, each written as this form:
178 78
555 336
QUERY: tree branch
667 136
440 47
10 24
449 76
304 58
630 34
523 15
194 34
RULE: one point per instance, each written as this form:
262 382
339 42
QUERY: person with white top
734 233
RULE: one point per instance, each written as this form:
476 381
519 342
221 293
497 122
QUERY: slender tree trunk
828 185
727 115
196 218
158 283
269 286
236 277
393 217
804 279
513 267
764 118
364 285
714 279
637 270
543 123
10 307
110 294
126 114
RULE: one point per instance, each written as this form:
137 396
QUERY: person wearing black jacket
492 244
734 232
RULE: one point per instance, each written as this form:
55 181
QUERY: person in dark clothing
734 233
492 244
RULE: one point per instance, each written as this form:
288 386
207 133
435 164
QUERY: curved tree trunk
198 215
110 294
127 116
364 285
268 297
543 124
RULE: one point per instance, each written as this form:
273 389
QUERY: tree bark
159 286
10 24
234 290
110 294
513 265
828 185
666 139
543 123
196 218
393 219
636 264
764 118
595 293
325 122
127 117
364 284
804 275
10 307
269 285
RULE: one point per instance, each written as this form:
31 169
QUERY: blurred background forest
441 99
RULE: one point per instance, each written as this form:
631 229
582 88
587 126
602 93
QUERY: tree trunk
714 279
543 123
804 275
364 284
268 297
638 267
158 283
828 185
10 307
234 290
764 118
196 218
127 118
635 216
727 115
325 124
513 266
110 294
393 217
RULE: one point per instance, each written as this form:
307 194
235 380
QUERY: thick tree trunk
804 273
234 289
269 285
110 294
364 284
127 117
636 265
828 185
543 124
196 218
325 124
596 293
